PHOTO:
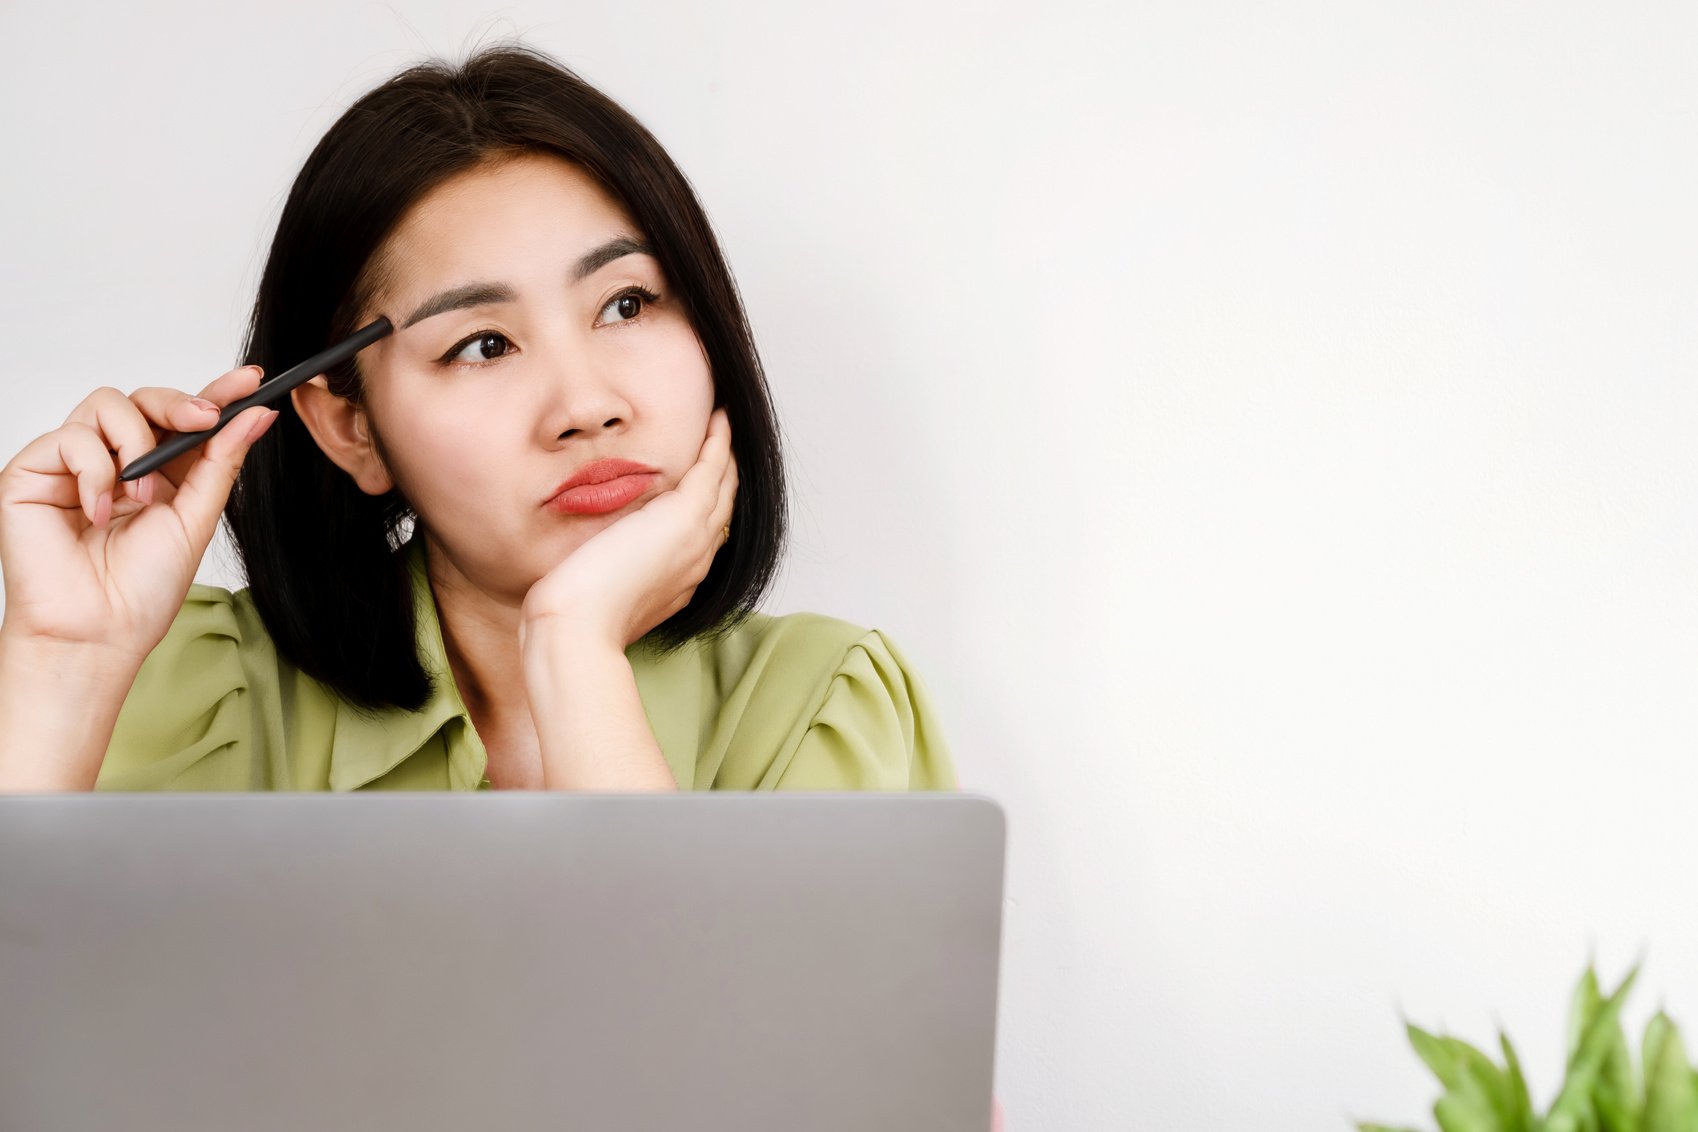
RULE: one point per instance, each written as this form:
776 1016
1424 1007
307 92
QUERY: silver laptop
423 962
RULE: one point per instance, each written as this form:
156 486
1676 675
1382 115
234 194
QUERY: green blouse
799 702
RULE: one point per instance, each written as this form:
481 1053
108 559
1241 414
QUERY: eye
489 345
630 302
483 341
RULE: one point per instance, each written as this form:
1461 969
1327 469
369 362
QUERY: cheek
690 384
691 407
445 467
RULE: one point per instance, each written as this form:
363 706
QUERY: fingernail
258 430
202 404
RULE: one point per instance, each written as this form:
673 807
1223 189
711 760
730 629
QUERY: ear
344 434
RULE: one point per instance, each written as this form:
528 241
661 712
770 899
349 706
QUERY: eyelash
648 297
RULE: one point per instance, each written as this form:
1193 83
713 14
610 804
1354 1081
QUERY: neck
480 635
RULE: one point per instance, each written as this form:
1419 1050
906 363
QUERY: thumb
201 496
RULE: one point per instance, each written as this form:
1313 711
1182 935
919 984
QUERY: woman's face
534 335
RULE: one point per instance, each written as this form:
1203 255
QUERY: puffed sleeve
874 729
187 721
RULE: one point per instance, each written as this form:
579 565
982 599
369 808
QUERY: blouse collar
367 745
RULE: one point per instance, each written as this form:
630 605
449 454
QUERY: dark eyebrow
617 248
459 298
489 294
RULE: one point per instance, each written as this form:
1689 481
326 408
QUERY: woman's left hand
645 567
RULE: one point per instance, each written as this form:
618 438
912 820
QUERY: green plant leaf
1515 1090
1615 1112
1458 1113
1572 1111
1361 1127
1617 1070
1582 1007
1437 1053
1584 1120
1482 1081
1615 1096
1671 1103
1475 1087
1464 1070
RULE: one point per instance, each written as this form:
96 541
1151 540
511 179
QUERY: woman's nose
610 424
583 399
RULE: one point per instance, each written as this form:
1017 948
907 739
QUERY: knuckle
79 432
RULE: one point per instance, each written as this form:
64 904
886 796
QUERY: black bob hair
324 560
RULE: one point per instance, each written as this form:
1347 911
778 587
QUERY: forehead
489 220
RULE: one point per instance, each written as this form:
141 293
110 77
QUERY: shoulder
220 624
765 668
810 701
791 662
188 721
800 640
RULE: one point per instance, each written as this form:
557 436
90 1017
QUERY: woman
432 604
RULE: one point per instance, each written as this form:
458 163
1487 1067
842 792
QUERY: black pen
270 391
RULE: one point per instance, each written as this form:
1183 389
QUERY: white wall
1267 427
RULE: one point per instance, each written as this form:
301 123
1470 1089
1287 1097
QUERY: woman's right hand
89 560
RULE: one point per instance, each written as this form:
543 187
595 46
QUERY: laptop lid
714 962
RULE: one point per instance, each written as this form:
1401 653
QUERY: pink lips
605 485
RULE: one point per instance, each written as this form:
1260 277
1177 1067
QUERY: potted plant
1602 1090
